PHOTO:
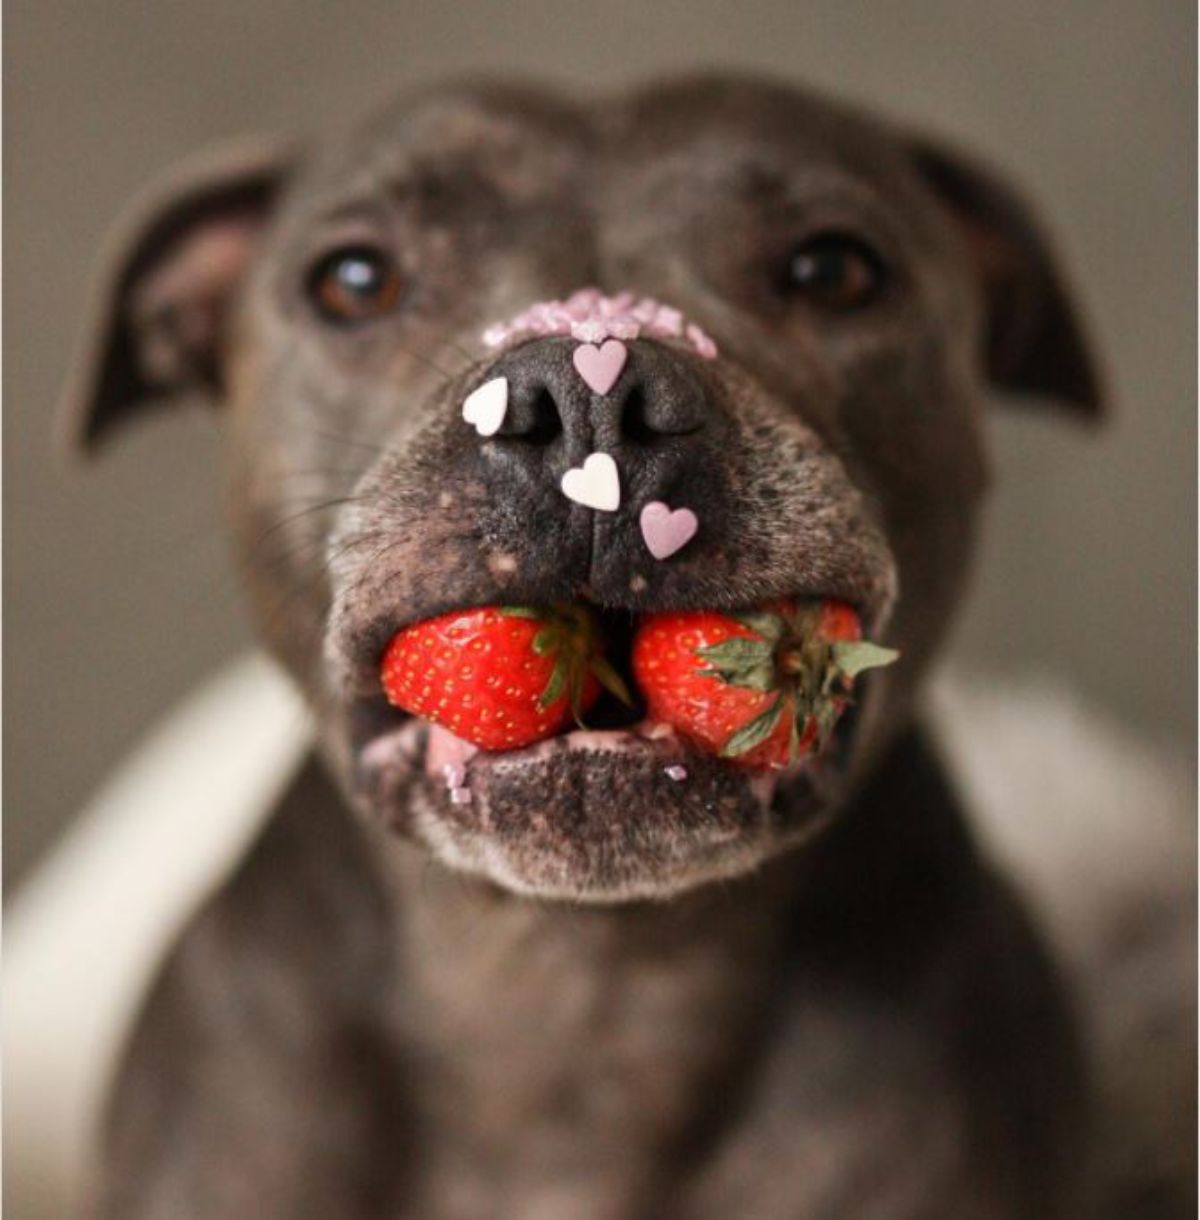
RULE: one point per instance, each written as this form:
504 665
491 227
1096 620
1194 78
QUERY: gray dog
591 990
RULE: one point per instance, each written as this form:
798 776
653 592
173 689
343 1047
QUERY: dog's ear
158 316
1034 340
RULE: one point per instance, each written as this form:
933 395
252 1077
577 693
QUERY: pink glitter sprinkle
701 342
455 775
677 773
591 331
622 328
591 317
460 796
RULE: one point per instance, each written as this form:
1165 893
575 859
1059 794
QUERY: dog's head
856 290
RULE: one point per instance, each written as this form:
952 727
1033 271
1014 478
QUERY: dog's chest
561 1068
653 1120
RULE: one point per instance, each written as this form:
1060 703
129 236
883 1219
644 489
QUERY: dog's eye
355 284
834 270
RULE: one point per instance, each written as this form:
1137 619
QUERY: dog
591 991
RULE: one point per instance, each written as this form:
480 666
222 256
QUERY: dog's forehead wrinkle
440 111
748 171
772 139
512 141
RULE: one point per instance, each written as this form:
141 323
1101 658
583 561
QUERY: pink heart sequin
666 531
600 366
595 484
486 406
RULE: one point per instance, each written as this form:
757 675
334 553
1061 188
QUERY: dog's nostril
634 422
645 419
535 421
546 422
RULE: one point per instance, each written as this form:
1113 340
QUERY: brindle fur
694 1006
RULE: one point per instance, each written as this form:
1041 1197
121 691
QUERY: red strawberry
499 677
764 688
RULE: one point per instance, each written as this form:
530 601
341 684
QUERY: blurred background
118 594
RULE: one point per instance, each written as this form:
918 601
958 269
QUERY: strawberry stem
612 681
567 632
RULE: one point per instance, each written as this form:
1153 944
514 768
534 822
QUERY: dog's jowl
716 348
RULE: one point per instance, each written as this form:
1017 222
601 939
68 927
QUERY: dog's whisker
302 552
316 547
321 473
470 357
324 574
389 545
319 543
306 511
283 606
311 581
351 442
431 363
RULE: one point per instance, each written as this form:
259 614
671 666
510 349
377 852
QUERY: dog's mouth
624 807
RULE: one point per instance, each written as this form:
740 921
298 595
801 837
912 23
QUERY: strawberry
499 677
764 688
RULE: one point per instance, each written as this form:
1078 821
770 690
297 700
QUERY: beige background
118 597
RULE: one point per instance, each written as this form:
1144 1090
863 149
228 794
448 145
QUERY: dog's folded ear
1035 343
157 321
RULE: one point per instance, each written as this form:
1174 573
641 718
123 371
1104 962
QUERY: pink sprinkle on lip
591 317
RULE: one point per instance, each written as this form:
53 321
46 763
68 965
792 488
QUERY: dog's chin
595 816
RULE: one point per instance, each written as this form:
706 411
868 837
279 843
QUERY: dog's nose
634 395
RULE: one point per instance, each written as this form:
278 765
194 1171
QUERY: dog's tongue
446 754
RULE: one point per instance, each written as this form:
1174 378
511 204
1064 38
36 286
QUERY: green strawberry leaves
754 732
738 653
825 718
769 626
568 634
853 657
554 687
740 662
811 675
